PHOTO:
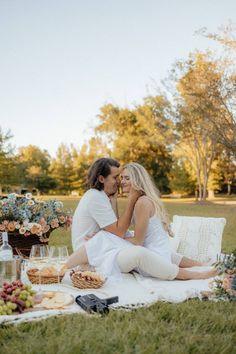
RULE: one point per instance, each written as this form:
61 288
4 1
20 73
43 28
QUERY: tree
226 171
225 94
197 144
225 121
225 36
84 157
143 134
180 179
62 169
7 164
33 168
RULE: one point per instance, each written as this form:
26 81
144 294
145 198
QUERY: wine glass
58 257
39 256
63 251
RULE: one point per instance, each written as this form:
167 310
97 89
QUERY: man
98 207
97 211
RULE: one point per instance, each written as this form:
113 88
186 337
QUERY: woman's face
125 181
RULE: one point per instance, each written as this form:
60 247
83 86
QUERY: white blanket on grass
175 290
133 290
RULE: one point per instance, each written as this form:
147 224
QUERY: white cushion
200 237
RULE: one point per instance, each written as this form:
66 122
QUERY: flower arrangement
224 286
28 216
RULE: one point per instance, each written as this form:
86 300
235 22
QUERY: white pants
147 262
176 258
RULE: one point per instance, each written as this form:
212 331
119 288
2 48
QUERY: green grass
189 327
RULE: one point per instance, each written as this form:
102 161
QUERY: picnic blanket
133 290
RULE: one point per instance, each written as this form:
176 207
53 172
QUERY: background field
174 207
189 327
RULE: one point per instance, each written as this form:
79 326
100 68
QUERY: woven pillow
200 237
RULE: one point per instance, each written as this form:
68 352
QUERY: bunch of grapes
16 296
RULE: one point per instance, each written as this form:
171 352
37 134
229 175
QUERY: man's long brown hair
101 167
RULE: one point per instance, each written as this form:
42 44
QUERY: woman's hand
134 194
88 237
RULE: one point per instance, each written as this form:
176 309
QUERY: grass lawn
189 327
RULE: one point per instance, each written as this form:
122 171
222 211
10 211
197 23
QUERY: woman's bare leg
184 274
78 257
155 265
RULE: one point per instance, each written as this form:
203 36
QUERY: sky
61 60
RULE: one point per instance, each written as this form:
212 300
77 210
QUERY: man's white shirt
93 213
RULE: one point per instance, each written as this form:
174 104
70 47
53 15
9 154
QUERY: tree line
185 134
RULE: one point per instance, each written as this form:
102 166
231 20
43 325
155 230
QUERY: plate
55 300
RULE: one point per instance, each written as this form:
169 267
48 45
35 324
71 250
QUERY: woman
148 251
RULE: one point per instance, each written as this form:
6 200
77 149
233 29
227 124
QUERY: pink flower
2 227
46 228
54 223
68 222
42 222
62 219
227 281
35 229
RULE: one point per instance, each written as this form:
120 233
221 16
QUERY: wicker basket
86 279
43 279
22 245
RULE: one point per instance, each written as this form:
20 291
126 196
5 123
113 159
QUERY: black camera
92 303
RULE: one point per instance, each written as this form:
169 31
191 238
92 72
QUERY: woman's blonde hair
141 181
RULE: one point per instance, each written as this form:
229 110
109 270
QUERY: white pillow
200 237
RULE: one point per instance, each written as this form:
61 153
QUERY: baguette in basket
46 275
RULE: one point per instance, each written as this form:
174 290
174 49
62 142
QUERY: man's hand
119 228
113 197
113 200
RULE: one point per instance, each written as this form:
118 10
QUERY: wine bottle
6 253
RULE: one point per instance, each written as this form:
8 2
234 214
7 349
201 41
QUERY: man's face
111 182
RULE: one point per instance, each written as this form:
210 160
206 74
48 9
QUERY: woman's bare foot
184 274
209 274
